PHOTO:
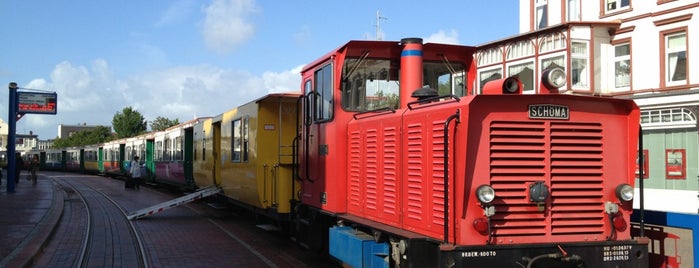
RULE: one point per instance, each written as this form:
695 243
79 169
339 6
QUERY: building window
675 163
579 65
676 59
521 49
668 118
525 73
486 76
489 56
622 66
552 42
574 10
646 170
616 5
551 62
541 14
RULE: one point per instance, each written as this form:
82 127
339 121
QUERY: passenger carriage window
167 150
178 148
142 151
245 129
237 139
159 150
203 149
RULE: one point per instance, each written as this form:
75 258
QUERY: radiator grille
567 156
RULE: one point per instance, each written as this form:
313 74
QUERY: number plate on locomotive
548 111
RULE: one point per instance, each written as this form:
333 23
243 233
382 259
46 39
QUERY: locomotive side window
369 84
445 77
324 93
307 90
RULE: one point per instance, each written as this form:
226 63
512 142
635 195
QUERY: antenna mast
378 24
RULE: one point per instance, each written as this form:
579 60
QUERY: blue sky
191 58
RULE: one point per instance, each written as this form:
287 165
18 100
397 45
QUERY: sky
183 59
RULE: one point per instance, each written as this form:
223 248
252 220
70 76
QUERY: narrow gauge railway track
93 232
194 235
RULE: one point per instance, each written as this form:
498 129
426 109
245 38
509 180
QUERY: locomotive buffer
199 194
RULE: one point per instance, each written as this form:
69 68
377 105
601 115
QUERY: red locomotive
406 164
399 159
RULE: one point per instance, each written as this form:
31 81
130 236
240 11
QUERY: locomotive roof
394 49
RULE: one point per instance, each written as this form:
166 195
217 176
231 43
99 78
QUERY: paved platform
28 217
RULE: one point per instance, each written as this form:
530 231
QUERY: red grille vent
567 156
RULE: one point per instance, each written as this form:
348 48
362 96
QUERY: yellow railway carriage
90 158
254 145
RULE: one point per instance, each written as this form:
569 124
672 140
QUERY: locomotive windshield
370 84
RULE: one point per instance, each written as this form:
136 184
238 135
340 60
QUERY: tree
161 123
128 123
97 135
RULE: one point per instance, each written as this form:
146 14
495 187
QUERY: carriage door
100 159
317 111
188 156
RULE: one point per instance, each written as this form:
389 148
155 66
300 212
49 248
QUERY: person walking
19 165
34 167
135 172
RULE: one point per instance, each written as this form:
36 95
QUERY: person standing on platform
19 165
136 172
34 167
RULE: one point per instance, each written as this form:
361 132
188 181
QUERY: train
392 154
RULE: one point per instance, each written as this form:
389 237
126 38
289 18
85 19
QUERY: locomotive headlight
485 194
624 192
554 78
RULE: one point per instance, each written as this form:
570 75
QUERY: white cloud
444 37
92 95
226 24
286 81
176 12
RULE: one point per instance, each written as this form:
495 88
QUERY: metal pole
641 162
11 142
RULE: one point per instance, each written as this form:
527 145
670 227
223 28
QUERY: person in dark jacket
34 167
19 165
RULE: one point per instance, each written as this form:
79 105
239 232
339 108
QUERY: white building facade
647 51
